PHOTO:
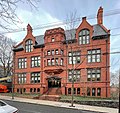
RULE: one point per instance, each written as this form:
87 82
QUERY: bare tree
115 77
8 14
71 36
6 55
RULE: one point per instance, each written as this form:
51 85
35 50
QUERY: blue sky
50 11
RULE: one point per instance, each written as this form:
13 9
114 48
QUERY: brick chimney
100 16
29 29
83 18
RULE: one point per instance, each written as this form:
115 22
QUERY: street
34 108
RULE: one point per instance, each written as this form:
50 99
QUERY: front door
54 82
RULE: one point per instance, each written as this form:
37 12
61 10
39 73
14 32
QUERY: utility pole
119 87
106 67
72 101
13 76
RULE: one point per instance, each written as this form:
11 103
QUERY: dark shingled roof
98 31
40 39
70 35
20 46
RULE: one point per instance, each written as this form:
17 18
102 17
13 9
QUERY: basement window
69 90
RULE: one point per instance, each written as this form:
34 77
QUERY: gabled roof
69 36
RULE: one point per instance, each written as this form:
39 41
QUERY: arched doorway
54 82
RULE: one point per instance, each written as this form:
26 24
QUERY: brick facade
54 49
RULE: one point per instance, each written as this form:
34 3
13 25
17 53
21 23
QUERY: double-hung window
35 61
48 62
21 78
74 74
76 57
48 52
93 74
52 61
56 51
52 52
61 61
94 55
22 63
35 77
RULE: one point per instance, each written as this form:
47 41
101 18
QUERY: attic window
29 46
84 37
53 39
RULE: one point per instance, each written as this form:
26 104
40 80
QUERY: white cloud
35 19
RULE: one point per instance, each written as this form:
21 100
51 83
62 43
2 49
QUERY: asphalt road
34 108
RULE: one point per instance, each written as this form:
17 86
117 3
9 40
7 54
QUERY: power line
115 35
109 13
116 47
116 52
115 28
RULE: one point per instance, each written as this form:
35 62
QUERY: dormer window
53 39
84 37
29 46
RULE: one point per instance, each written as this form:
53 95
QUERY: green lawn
20 95
81 98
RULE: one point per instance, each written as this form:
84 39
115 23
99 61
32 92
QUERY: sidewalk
61 104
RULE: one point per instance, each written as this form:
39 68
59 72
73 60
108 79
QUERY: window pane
80 40
99 92
56 51
52 52
87 39
88 91
89 52
70 54
93 92
70 60
83 32
93 51
89 58
53 39
98 51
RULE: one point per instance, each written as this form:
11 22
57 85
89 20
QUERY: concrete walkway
61 104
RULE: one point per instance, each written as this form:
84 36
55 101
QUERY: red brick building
50 61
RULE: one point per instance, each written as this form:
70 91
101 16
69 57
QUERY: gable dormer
84 32
29 40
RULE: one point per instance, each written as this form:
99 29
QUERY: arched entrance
54 82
